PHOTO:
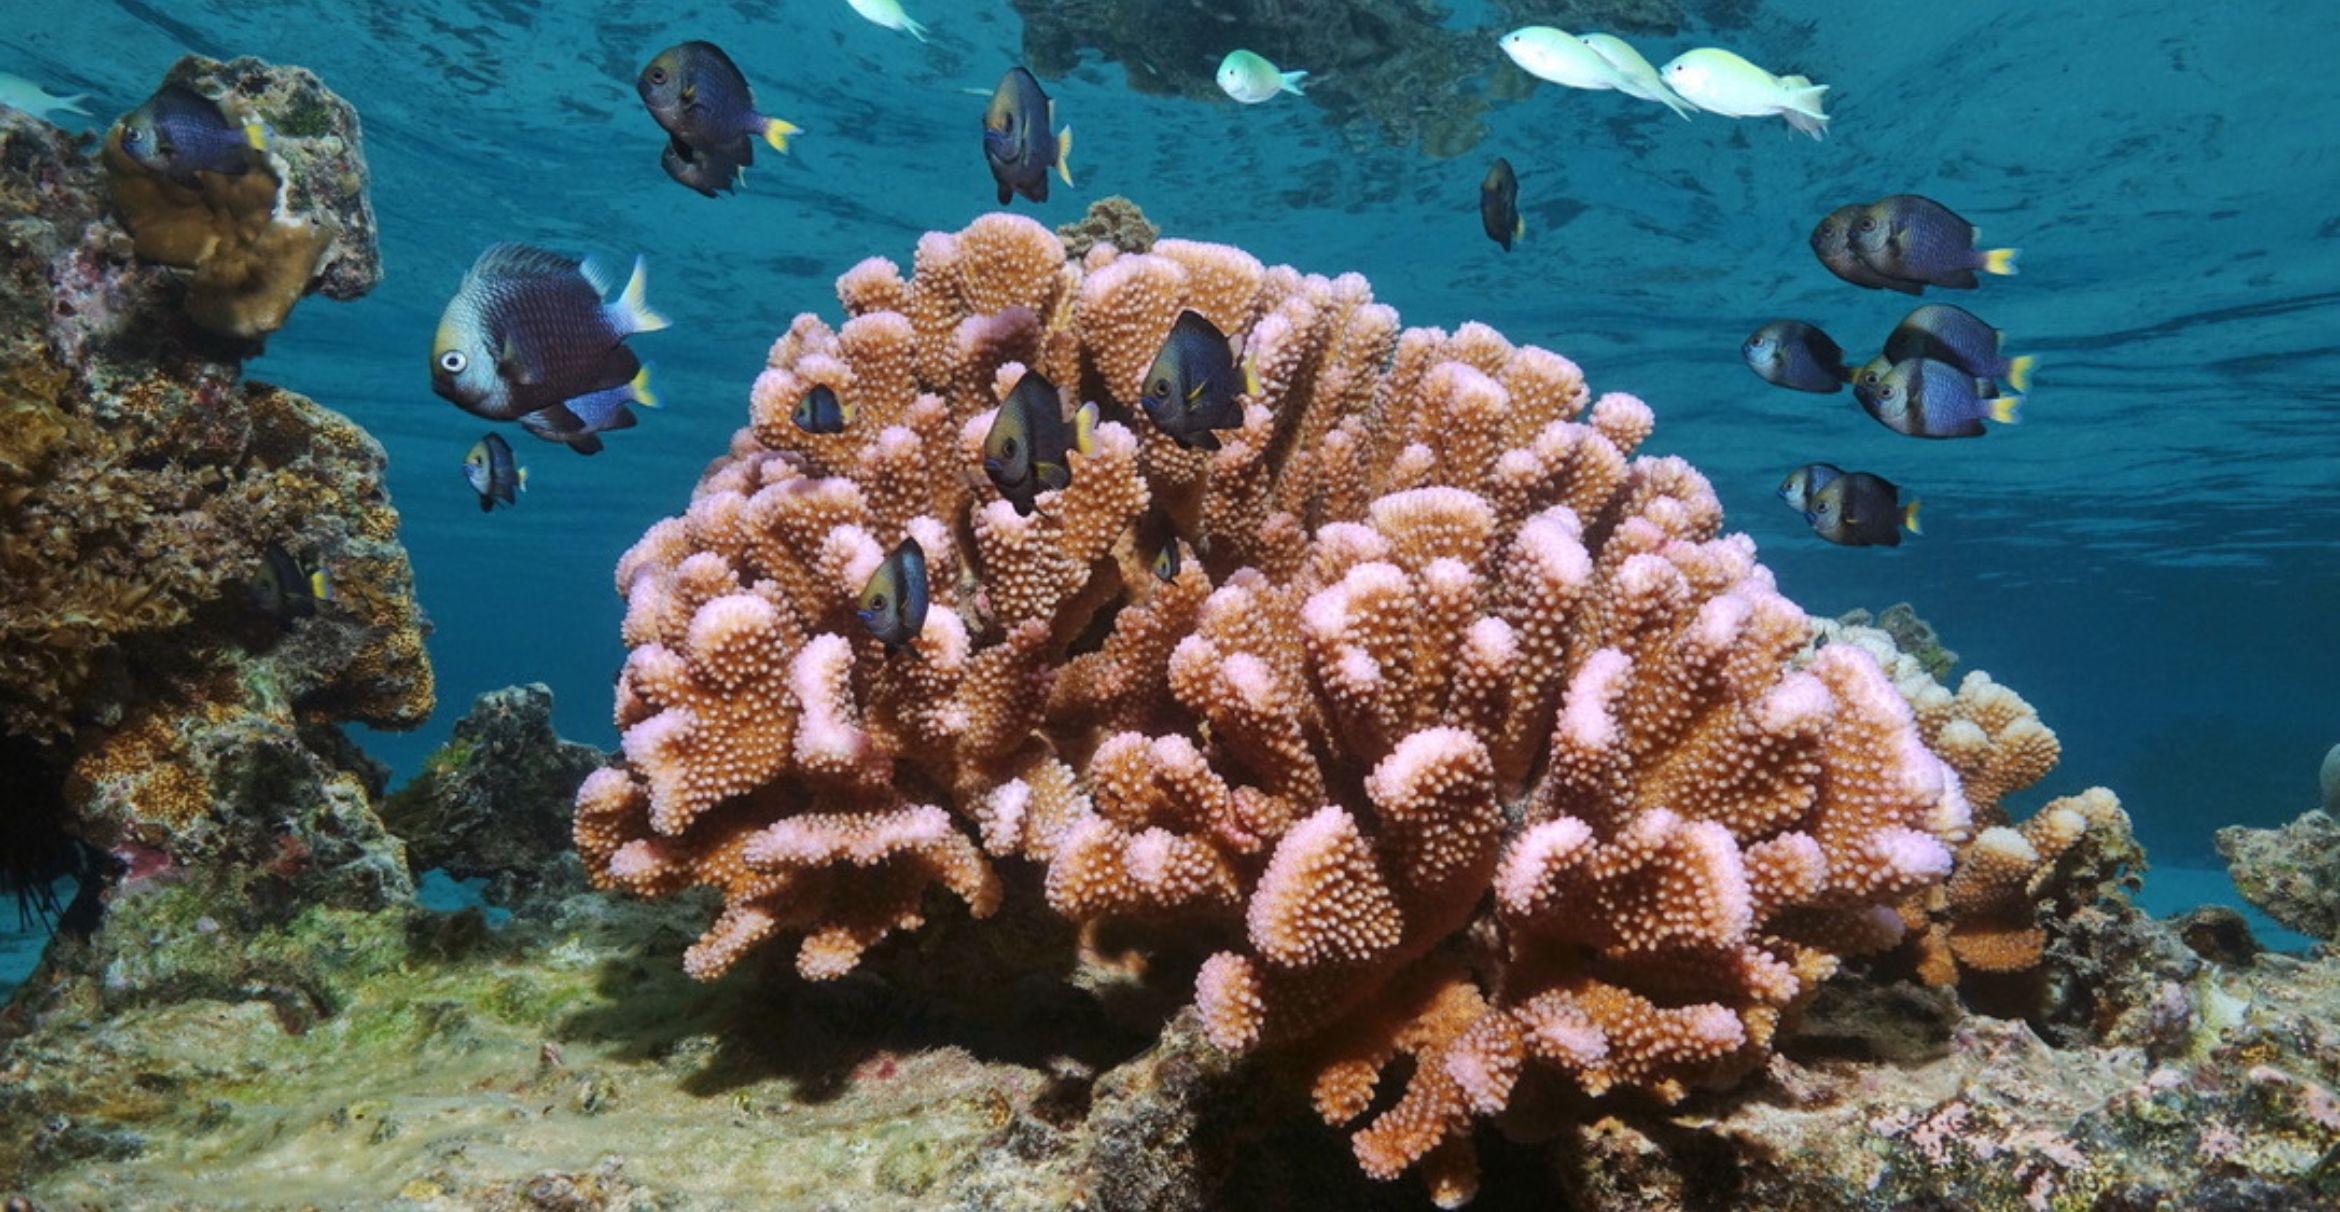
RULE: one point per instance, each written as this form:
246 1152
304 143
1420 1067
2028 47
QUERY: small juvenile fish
1800 485
574 422
285 591
492 472
1499 204
1251 79
888 14
1832 243
698 94
1720 82
1635 77
1166 561
1857 509
527 329
1560 57
1190 389
1791 353
16 92
1946 332
179 132
1016 142
1025 452
1924 398
701 169
820 411
1914 237
893 603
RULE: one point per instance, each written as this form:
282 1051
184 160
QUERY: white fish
889 14
17 92
1251 79
1635 77
1720 82
1558 56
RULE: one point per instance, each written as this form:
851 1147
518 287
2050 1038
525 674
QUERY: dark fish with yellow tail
179 132
893 603
1924 398
1499 204
820 411
1858 509
575 422
1791 353
286 591
1192 386
493 473
1016 139
1913 237
704 170
1804 482
1832 243
1026 450
1946 332
699 95
528 329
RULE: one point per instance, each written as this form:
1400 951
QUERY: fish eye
657 75
878 602
1867 224
453 361
1008 448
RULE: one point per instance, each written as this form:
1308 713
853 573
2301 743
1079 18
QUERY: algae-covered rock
254 243
2293 872
494 801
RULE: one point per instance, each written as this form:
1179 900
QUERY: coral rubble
1466 731
254 244
2293 872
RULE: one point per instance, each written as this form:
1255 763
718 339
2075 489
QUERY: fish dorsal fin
523 261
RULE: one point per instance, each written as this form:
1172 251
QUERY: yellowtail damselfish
1190 389
1026 450
699 95
527 329
893 603
1016 139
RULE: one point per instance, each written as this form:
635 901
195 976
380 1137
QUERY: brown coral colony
1464 725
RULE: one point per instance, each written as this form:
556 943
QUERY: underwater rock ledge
171 683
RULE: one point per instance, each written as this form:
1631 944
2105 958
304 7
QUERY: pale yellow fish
889 14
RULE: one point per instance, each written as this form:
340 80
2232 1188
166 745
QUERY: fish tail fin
776 132
2001 261
1804 98
1909 516
632 310
1674 102
71 105
520 478
1064 156
1519 227
1250 379
255 134
2007 410
2019 372
1085 429
640 385
1290 82
321 585
911 27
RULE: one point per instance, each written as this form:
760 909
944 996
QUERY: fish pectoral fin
514 367
1052 476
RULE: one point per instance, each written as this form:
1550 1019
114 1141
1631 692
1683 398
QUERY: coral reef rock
253 244
494 800
2293 873
1474 752
172 688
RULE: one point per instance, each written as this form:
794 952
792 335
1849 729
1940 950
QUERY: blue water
2150 557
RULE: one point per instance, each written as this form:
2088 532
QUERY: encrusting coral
1462 727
